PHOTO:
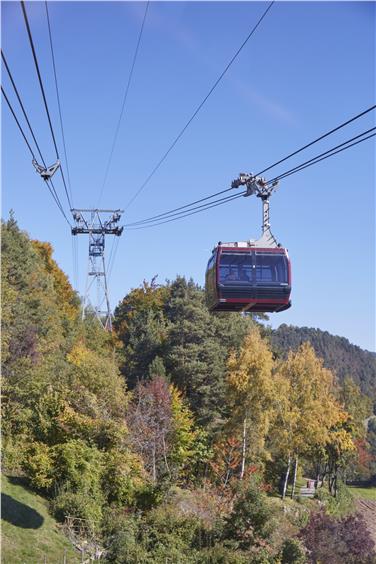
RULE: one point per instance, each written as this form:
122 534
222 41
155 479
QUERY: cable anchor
46 173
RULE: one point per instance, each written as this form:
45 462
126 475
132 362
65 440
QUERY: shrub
338 541
219 554
338 506
122 542
38 464
79 467
293 552
80 506
122 477
251 518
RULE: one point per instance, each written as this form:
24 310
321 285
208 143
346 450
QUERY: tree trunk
335 484
165 455
286 478
294 482
243 447
154 464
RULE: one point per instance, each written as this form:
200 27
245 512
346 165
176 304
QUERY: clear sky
309 67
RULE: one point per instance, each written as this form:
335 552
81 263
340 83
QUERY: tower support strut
97 223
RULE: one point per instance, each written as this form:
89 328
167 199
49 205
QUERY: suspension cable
58 100
22 106
163 158
43 95
317 158
182 212
180 208
208 206
268 168
311 162
318 139
117 129
17 122
50 187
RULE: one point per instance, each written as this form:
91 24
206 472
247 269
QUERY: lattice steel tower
92 222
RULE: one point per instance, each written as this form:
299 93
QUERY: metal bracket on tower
46 173
256 185
91 222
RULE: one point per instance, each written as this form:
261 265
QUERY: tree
308 411
150 423
332 540
252 395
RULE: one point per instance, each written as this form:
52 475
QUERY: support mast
97 223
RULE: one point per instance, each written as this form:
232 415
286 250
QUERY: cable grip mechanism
46 173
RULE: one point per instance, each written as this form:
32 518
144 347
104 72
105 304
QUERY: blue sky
309 67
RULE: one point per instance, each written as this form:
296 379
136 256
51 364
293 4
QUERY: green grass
28 533
363 493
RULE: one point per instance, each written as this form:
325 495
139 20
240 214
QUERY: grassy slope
363 493
29 534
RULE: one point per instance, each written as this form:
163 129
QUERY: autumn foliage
173 438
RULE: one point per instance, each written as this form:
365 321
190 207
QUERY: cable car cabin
244 277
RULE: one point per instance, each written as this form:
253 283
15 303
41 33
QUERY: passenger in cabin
243 275
231 275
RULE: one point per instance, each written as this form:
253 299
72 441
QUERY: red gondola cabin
244 277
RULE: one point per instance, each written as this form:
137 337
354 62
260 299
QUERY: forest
182 436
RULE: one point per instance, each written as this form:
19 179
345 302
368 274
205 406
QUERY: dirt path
368 510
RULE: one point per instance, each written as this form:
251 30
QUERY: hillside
166 440
339 355
29 533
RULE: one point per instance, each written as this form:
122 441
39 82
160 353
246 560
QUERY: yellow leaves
79 355
39 465
252 390
183 426
250 369
97 375
67 300
309 410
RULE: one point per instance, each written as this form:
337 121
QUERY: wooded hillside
338 354
180 434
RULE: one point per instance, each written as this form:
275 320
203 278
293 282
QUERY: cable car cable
208 206
317 159
271 166
52 187
331 154
43 94
58 100
195 208
163 158
17 122
22 106
123 104
318 139
181 207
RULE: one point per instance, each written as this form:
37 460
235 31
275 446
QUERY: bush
251 518
38 464
80 506
342 504
221 555
293 552
122 539
338 541
122 477
79 467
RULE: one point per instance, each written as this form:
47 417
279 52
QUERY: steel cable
163 158
43 95
123 104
